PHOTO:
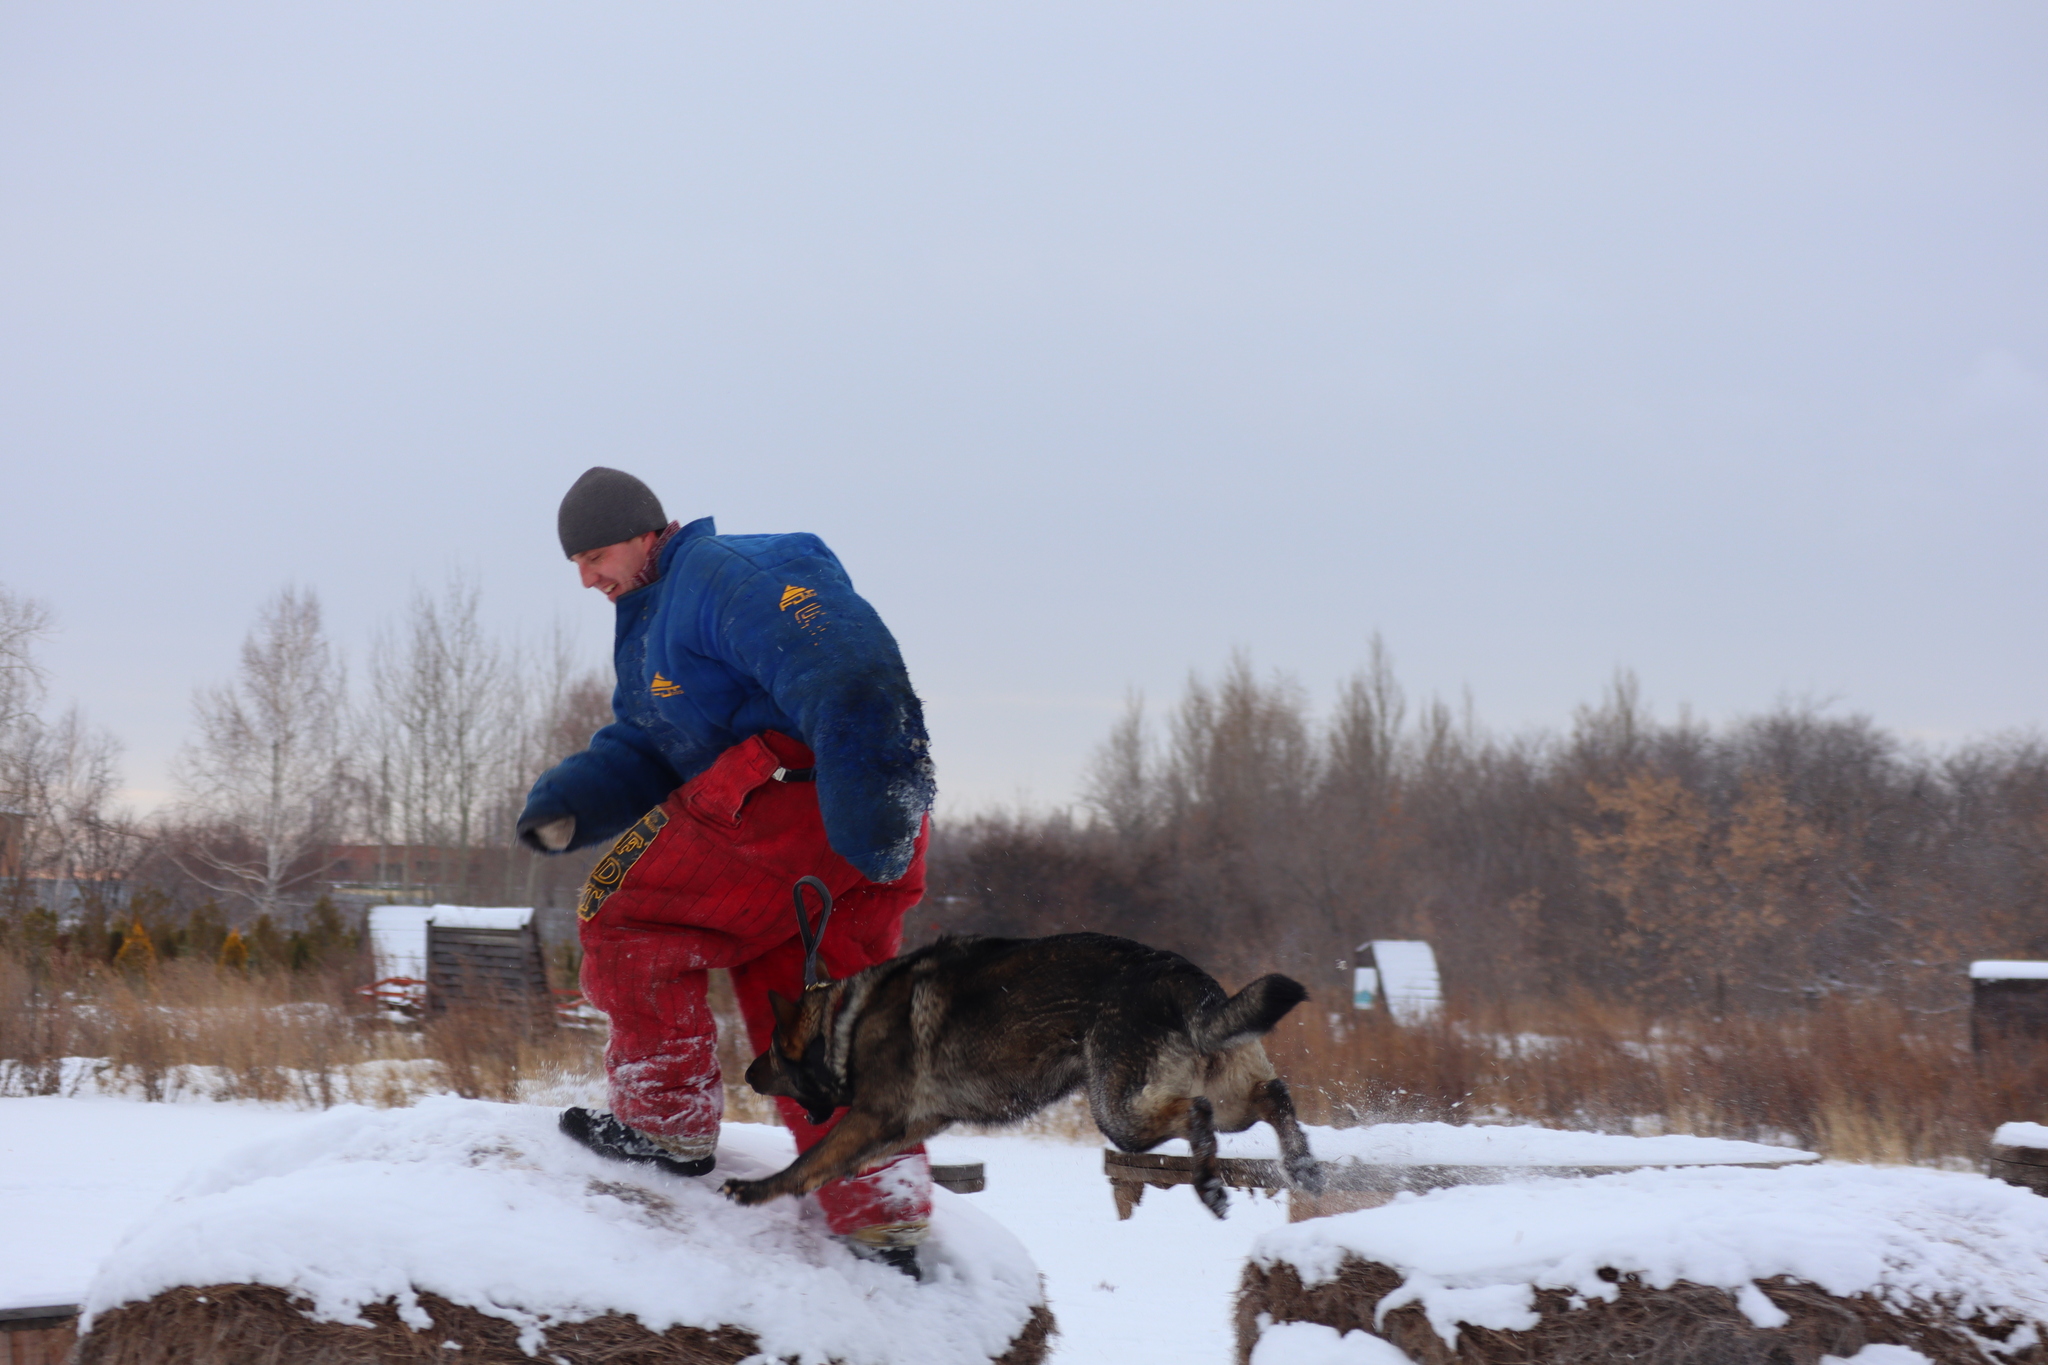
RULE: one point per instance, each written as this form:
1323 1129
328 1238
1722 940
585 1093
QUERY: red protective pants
703 880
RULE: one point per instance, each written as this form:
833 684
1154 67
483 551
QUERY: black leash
811 937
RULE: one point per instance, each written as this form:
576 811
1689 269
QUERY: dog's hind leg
1202 1142
1276 1106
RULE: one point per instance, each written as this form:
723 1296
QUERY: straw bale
252 1324
1685 1324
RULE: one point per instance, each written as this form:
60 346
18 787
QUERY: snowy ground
489 1206
87 1183
80 1172
77 1173
1903 1234
1155 1288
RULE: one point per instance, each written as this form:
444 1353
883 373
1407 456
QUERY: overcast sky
1098 339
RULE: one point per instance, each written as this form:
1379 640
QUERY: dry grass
189 1028
501 1055
258 1325
1861 1081
1865 1081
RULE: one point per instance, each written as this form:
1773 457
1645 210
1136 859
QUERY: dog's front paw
1305 1173
747 1191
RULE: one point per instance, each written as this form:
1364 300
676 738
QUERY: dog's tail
1249 1014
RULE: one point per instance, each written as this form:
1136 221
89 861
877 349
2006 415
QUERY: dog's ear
786 1010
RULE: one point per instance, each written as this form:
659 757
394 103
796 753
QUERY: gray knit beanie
604 507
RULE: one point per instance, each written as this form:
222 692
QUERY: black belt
795 774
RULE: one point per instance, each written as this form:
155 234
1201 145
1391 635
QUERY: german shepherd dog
991 1030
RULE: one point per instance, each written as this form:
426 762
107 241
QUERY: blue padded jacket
738 635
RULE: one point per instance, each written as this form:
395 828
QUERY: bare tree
1240 758
564 705
23 622
264 770
445 724
57 778
1365 736
567 705
578 711
64 776
1118 783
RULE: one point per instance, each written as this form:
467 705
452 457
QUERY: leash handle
811 936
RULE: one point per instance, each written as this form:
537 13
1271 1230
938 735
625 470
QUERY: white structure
398 933
1403 973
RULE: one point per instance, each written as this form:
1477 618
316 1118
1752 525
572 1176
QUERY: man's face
611 568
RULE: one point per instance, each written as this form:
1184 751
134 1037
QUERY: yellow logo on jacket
810 609
662 687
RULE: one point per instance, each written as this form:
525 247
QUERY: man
765 730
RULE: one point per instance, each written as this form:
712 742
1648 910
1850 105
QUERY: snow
2008 971
488 1205
1312 1343
482 916
1444 1144
2021 1135
1149 1291
1407 978
1154 1290
398 933
556 1229
75 1173
1476 1254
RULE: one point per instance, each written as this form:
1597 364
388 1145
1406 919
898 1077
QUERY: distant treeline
1777 860
1783 858
287 768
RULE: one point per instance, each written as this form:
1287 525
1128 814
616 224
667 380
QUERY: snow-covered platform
470 1225
1366 1166
1724 1263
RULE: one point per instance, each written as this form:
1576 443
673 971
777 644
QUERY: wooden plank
1352 1185
1163 1171
966 1177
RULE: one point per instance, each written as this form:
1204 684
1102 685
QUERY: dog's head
794 1064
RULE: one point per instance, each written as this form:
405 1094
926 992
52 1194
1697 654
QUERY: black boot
607 1136
900 1258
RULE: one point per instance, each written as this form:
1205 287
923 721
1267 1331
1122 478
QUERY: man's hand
548 836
